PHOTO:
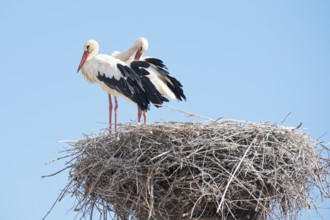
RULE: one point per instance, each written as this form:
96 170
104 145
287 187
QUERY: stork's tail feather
143 104
176 88
174 84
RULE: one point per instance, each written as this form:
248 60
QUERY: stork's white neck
124 56
140 44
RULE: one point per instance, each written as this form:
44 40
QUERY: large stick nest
222 170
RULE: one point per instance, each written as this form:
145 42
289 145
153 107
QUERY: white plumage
103 65
155 70
114 76
157 74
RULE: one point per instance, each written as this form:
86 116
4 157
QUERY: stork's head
141 46
91 48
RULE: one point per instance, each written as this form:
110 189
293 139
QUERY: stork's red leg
116 110
145 117
110 113
139 114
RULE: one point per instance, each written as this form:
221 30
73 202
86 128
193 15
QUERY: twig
68 141
56 172
189 113
57 200
232 177
59 158
284 119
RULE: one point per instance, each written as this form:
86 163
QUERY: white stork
152 68
117 79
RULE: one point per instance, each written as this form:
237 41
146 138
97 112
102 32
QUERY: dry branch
222 170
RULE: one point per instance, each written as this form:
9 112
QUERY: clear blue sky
247 60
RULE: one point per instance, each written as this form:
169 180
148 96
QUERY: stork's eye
141 48
87 47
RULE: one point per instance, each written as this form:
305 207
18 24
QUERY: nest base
223 170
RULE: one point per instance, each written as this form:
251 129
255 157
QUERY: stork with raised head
152 68
117 79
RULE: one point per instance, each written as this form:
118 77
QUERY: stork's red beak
83 59
138 55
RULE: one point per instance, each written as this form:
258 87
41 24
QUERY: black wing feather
157 62
130 86
176 88
175 85
152 93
